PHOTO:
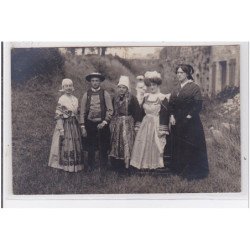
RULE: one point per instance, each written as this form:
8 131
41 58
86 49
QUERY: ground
33 125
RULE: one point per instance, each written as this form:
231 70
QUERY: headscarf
65 81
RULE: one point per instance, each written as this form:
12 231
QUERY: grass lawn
32 129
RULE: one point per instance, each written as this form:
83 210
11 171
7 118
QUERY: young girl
66 149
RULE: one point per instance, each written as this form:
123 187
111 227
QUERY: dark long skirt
189 152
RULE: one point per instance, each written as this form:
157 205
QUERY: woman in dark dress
189 153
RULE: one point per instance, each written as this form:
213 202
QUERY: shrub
228 93
28 63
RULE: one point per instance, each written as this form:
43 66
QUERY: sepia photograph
125 119
124 113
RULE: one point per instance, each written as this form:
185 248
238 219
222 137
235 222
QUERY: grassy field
33 124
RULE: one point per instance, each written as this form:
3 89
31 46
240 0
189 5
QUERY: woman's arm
139 114
164 116
59 116
196 107
83 109
135 109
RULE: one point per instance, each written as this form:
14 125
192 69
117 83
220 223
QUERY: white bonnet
65 81
124 80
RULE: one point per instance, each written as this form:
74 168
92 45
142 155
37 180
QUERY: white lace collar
70 102
95 90
153 97
186 82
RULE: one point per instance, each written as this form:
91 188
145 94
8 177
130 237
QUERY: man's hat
95 74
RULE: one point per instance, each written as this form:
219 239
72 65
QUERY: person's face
95 82
68 88
153 88
122 90
141 87
181 75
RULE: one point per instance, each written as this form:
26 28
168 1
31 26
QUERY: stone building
215 66
224 67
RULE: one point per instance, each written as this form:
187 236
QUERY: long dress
67 151
189 153
122 127
150 140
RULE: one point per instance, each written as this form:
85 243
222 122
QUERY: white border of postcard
125 200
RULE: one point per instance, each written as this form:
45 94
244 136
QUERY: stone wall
197 56
225 67
215 66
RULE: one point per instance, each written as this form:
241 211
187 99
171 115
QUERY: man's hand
102 125
162 133
84 132
172 120
136 130
61 131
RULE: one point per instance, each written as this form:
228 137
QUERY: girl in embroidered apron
66 150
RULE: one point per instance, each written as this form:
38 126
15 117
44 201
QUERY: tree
27 63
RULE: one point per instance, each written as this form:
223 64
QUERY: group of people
132 131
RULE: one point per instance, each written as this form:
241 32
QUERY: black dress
189 153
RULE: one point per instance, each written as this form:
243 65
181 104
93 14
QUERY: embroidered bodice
152 107
67 106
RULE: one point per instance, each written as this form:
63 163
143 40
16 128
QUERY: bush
228 93
28 63
77 67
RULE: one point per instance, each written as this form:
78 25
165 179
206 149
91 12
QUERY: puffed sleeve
139 115
135 109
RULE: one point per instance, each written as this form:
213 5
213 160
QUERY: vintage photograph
126 119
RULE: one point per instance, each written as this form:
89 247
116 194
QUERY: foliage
228 92
27 63
77 67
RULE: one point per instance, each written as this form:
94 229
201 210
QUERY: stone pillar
218 78
212 77
228 74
